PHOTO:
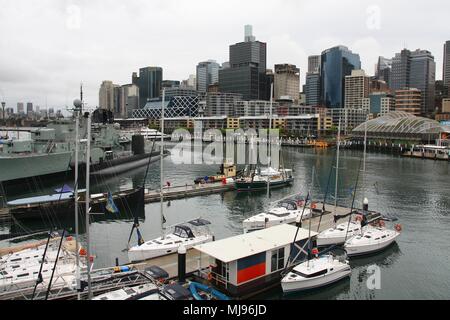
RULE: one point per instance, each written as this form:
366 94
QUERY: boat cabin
246 265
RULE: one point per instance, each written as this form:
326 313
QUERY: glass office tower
336 63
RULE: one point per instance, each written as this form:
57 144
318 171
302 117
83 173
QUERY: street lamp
3 107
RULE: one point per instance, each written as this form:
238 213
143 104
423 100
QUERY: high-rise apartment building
287 82
336 63
207 74
247 72
409 100
356 89
314 64
416 69
446 68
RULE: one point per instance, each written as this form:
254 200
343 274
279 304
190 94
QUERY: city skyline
45 62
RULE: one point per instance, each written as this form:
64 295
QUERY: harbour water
412 190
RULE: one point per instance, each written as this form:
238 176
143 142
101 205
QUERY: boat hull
261 185
138 254
129 203
354 251
313 283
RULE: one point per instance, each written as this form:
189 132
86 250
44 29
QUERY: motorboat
285 212
315 273
189 234
372 240
146 291
339 234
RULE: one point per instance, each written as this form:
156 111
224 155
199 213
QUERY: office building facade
247 72
409 100
336 63
312 89
356 89
416 69
446 66
150 84
287 82
207 74
314 64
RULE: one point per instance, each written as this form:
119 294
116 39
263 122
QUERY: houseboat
246 265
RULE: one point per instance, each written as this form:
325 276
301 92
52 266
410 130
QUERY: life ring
398 227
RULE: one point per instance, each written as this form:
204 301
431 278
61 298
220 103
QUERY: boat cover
41 199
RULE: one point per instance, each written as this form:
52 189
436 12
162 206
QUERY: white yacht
372 240
26 276
149 134
190 234
315 273
286 212
339 234
147 291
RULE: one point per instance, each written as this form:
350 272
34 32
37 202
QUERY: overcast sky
48 47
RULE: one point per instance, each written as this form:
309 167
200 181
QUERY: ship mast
337 166
88 250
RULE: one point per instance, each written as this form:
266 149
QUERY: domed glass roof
400 122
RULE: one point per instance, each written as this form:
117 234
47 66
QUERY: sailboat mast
87 198
269 163
337 166
162 164
310 217
77 246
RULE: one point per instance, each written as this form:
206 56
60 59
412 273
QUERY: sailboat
315 272
266 178
188 234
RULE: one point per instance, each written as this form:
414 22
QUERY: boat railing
214 278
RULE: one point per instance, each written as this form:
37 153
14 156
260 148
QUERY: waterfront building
356 89
416 69
403 126
254 108
287 82
409 100
178 103
312 89
336 63
247 72
207 74
221 104
314 64
150 84
446 65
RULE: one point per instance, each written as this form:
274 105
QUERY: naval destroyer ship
49 152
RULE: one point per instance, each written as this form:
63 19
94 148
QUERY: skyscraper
446 71
383 71
106 96
247 72
129 100
29 108
415 69
314 64
287 82
336 63
312 89
149 83
207 74
20 108
356 89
